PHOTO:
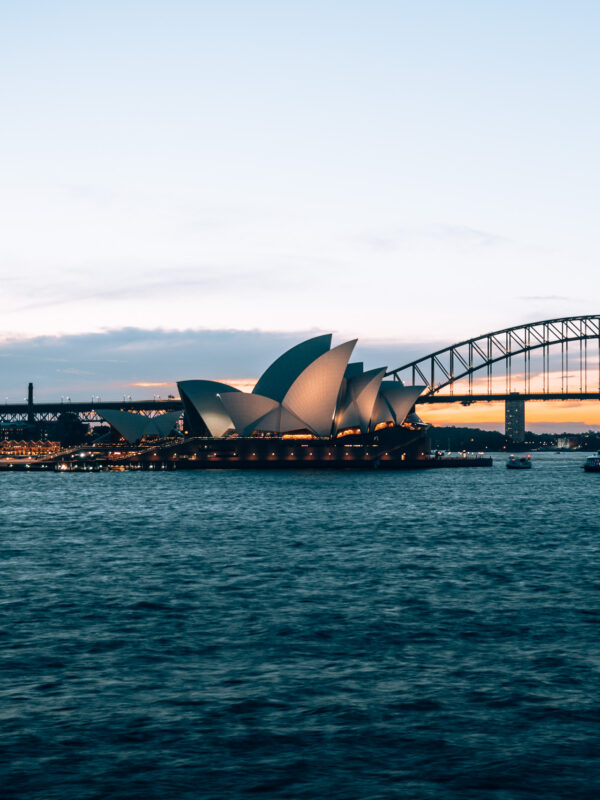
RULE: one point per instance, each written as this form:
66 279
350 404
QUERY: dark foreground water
261 635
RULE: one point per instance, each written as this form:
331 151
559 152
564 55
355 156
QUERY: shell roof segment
277 379
246 410
203 408
358 402
252 412
164 423
399 399
354 368
310 402
134 427
314 394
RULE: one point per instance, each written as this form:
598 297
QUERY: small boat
518 462
592 463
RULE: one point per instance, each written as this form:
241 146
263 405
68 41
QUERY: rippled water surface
226 635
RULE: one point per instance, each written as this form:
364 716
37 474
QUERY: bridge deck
490 398
44 412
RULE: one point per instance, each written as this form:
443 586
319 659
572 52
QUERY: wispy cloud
392 240
154 283
548 298
475 236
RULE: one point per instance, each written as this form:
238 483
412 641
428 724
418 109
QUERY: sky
409 173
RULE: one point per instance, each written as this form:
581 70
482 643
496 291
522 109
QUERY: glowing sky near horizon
397 171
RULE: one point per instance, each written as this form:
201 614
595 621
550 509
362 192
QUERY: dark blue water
233 635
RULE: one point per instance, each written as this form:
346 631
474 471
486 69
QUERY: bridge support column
514 418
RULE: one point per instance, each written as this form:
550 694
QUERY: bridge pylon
514 418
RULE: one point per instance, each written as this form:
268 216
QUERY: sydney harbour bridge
555 359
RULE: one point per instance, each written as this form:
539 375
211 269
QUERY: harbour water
301 635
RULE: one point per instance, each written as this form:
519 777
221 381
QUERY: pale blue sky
399 171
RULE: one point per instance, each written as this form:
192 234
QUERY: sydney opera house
312 389
312 397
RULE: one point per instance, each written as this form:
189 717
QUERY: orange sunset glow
477 415
481 415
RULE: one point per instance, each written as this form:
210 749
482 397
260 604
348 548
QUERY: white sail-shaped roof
204 409
246 410
163 424
309 403
354 368
280 420
381 412
314 394
359 399
130 426
400 398
290 422
279 377
133 427
252 412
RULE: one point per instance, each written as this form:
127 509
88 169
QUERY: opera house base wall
394 446
389 449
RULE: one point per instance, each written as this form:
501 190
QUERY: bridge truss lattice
566 354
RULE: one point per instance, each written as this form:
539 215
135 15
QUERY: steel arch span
493 365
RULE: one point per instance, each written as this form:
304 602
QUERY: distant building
28 448
514 419
14 431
